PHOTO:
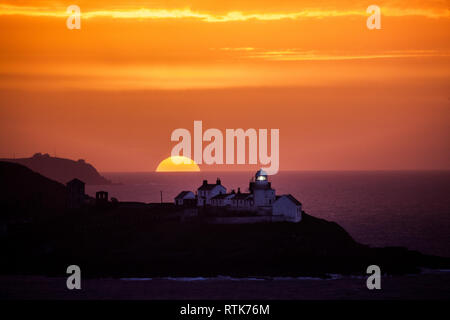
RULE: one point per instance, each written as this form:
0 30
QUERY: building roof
75 181
223 196
208 186
242 196
182 194
260 172
291 198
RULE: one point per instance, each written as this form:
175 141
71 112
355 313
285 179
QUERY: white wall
190 195
284 206
208 194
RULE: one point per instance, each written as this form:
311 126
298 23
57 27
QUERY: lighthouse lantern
261 175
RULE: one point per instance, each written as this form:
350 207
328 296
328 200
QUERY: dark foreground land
420 287
123 243
39 236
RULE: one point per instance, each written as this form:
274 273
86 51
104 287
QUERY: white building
243 202
262 191
223 199
261 199
184 197
207 191
288 207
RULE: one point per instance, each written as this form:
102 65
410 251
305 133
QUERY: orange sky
344 97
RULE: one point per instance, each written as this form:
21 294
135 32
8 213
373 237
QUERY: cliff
23 191
130 243
61 170
113 241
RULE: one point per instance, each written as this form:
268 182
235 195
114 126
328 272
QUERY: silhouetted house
75 193
207 191
185 198
101 198
287 206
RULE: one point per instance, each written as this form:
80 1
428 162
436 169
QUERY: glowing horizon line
293 55
233 16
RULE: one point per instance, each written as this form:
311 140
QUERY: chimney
218 181
239 190
233 192
205 182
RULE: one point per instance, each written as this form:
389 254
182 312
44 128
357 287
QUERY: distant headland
62 170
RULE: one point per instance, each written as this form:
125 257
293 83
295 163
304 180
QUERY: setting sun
177 164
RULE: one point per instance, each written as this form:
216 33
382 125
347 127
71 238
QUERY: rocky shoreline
426 286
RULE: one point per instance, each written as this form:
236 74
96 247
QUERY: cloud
232 16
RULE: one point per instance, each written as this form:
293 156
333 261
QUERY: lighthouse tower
263 194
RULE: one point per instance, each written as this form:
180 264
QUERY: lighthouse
263 194
260 204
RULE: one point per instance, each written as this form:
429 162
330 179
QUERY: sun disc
177 164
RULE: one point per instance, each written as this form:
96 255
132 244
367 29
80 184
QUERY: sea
378 208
